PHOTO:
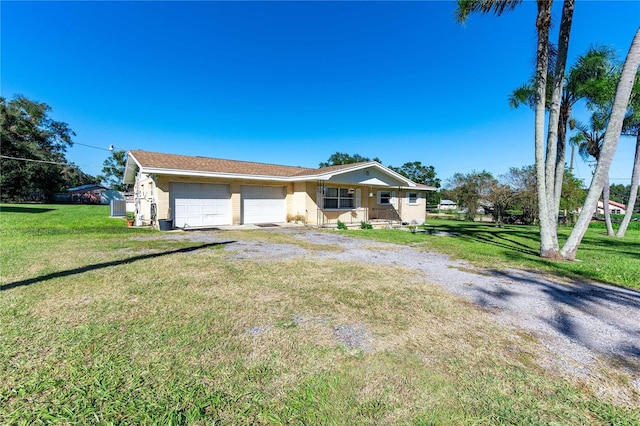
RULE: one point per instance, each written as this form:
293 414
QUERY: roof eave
207 174
129 176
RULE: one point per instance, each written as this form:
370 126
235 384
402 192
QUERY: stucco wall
413 213
163 199
300 200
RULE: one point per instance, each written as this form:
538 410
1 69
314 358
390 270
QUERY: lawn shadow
97 266
578 306
491 234
13 209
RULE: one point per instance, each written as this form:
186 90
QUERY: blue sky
293 82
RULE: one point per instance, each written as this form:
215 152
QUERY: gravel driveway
582 322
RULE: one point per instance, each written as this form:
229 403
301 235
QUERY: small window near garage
338 198
385 197
413 199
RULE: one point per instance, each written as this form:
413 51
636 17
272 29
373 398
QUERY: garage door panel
263 204
200 204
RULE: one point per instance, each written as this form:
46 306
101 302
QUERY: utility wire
91 146
48 162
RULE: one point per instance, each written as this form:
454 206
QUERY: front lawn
606 259
102 324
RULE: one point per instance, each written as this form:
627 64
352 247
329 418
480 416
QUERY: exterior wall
236 201
352 215
301 201
145 193
311 202
613 208
163 199
414 213
447 206
298 201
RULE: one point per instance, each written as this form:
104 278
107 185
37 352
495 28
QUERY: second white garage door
263 204
200 204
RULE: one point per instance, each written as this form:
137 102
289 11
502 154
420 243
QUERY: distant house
202 192
614 207
447 205
94 194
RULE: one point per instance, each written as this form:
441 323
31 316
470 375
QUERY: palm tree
549 247
588 78
609 145
589 140
631 127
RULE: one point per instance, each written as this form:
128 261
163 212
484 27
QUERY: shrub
365 225
341 225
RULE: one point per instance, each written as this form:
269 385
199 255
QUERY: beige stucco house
204 192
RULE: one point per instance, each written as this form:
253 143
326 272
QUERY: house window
384 197
412 198
338 198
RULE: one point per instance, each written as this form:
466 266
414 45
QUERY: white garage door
200 204
263 204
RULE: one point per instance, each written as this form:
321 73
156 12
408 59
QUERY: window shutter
393 197
358 197
379 194
418 198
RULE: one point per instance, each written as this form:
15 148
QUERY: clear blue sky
294 82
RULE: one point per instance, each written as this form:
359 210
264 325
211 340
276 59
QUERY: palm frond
525 94
498 7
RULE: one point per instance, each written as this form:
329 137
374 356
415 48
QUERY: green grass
111 325
606 259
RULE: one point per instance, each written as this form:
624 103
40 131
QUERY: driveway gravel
581 322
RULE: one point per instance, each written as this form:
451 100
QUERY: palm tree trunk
552 177
548 236
635 179
565 113
606 209
611 137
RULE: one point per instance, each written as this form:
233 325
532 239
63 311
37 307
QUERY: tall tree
502 198
469 189
418 173
610 143
589 78
523 182
113 170
33 148
589 140
573 193
425 175
619 193
631 127
545 164
339 158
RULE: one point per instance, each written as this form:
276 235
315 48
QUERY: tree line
33 164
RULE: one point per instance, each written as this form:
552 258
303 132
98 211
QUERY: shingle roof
216 165
613 203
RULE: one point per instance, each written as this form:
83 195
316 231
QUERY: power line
91 146
48 162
